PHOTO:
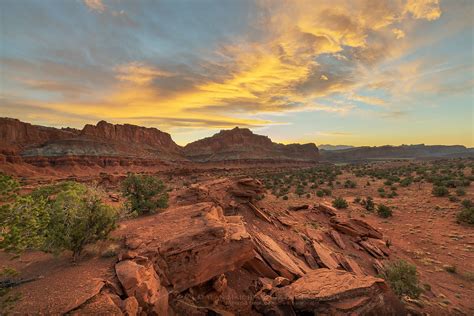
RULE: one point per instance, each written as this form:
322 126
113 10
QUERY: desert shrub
64 220
453 198
460 192
320 193
440 191
339 203
299 190
406 182
467 203
466 215
369 204
308 196
381 190
449 268
145 193
24 224
350 184
357 200
384 211
8 188
402 278
78 217
285 197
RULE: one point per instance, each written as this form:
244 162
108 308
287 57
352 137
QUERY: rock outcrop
193 259
188 244
240 144
329 292
47 146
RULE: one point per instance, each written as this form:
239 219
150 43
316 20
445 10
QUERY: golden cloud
424 9
284 69
95 5
138 73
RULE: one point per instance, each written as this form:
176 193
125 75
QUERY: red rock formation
128 133
241 144
330 292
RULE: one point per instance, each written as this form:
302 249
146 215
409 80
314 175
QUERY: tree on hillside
145 193
67 216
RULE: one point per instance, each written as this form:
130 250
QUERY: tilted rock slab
280 260
329 292
192 244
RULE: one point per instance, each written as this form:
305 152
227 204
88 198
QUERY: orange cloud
95 5
138 73
424 9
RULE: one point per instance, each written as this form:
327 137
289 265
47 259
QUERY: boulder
280 260
372 249
326 209
355 227
192 244
280 282
140 280
329 292
325 255
299 207
337 239
130 306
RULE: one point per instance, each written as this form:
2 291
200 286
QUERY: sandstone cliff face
16 135
39 145
242 144
19 139
130 134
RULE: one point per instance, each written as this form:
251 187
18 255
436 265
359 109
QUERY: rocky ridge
115 143
241 144
220 251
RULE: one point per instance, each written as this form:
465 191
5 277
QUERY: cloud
139 73
424 9
368 100
296 57
398 33
95 5
192 122
329 133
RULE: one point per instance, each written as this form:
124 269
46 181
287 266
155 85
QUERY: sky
357 72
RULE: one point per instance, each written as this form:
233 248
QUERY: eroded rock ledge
220 251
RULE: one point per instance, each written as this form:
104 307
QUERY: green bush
384 211
406 182
285 197
320 193
350 184
460 192
339 203
369 204
440 191
24 224
402 278
466 215
78 217
53 220
145 193
8 188
467 203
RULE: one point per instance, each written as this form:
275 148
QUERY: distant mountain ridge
242 144
109 142
395 152
334 147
